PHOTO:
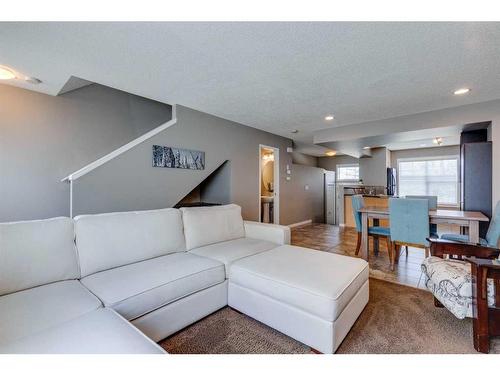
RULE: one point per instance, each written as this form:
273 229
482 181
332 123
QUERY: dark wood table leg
480 309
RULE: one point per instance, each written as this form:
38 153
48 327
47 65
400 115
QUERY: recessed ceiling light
461 91
6 73
294 131
366 148
329 117
330 153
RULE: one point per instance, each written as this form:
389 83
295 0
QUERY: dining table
468 219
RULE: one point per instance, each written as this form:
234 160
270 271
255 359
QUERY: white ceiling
272 76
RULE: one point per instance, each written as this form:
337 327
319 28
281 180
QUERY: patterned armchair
453 279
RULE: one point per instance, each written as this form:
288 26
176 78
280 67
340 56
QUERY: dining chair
358 202
409 224
433 204
492 235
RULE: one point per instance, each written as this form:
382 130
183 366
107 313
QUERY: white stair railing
90 167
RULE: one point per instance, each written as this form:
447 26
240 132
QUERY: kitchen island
373 200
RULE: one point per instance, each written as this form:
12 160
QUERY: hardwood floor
342 240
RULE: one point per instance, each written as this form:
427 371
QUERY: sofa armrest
279 234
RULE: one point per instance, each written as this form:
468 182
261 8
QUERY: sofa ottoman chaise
312 296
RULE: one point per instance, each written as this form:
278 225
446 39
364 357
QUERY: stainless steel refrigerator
391 181
330 197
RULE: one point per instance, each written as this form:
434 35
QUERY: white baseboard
299 224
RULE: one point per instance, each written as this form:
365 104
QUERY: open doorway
268 184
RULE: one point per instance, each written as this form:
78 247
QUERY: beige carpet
398 319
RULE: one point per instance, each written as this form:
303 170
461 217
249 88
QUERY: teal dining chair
358 203
409 224
433 200
433 204
492 235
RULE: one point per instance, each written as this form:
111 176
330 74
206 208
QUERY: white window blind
433 176
348 172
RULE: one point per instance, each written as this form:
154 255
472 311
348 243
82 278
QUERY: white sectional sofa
44 308
162 270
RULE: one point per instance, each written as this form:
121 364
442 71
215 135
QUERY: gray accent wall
373 169
495 139
44 138
217 187
303 159
307 194
129 182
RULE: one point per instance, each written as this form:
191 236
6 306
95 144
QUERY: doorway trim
276 193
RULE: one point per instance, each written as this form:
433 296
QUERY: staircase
124 180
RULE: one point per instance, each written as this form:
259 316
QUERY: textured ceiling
272 76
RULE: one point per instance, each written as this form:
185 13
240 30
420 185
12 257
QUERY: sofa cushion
229 251
208 225
111 240
37 252
139 288
33 310
317 282
102 331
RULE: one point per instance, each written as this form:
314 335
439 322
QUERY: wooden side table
486 319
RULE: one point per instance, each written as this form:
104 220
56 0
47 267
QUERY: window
348 172
430 176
